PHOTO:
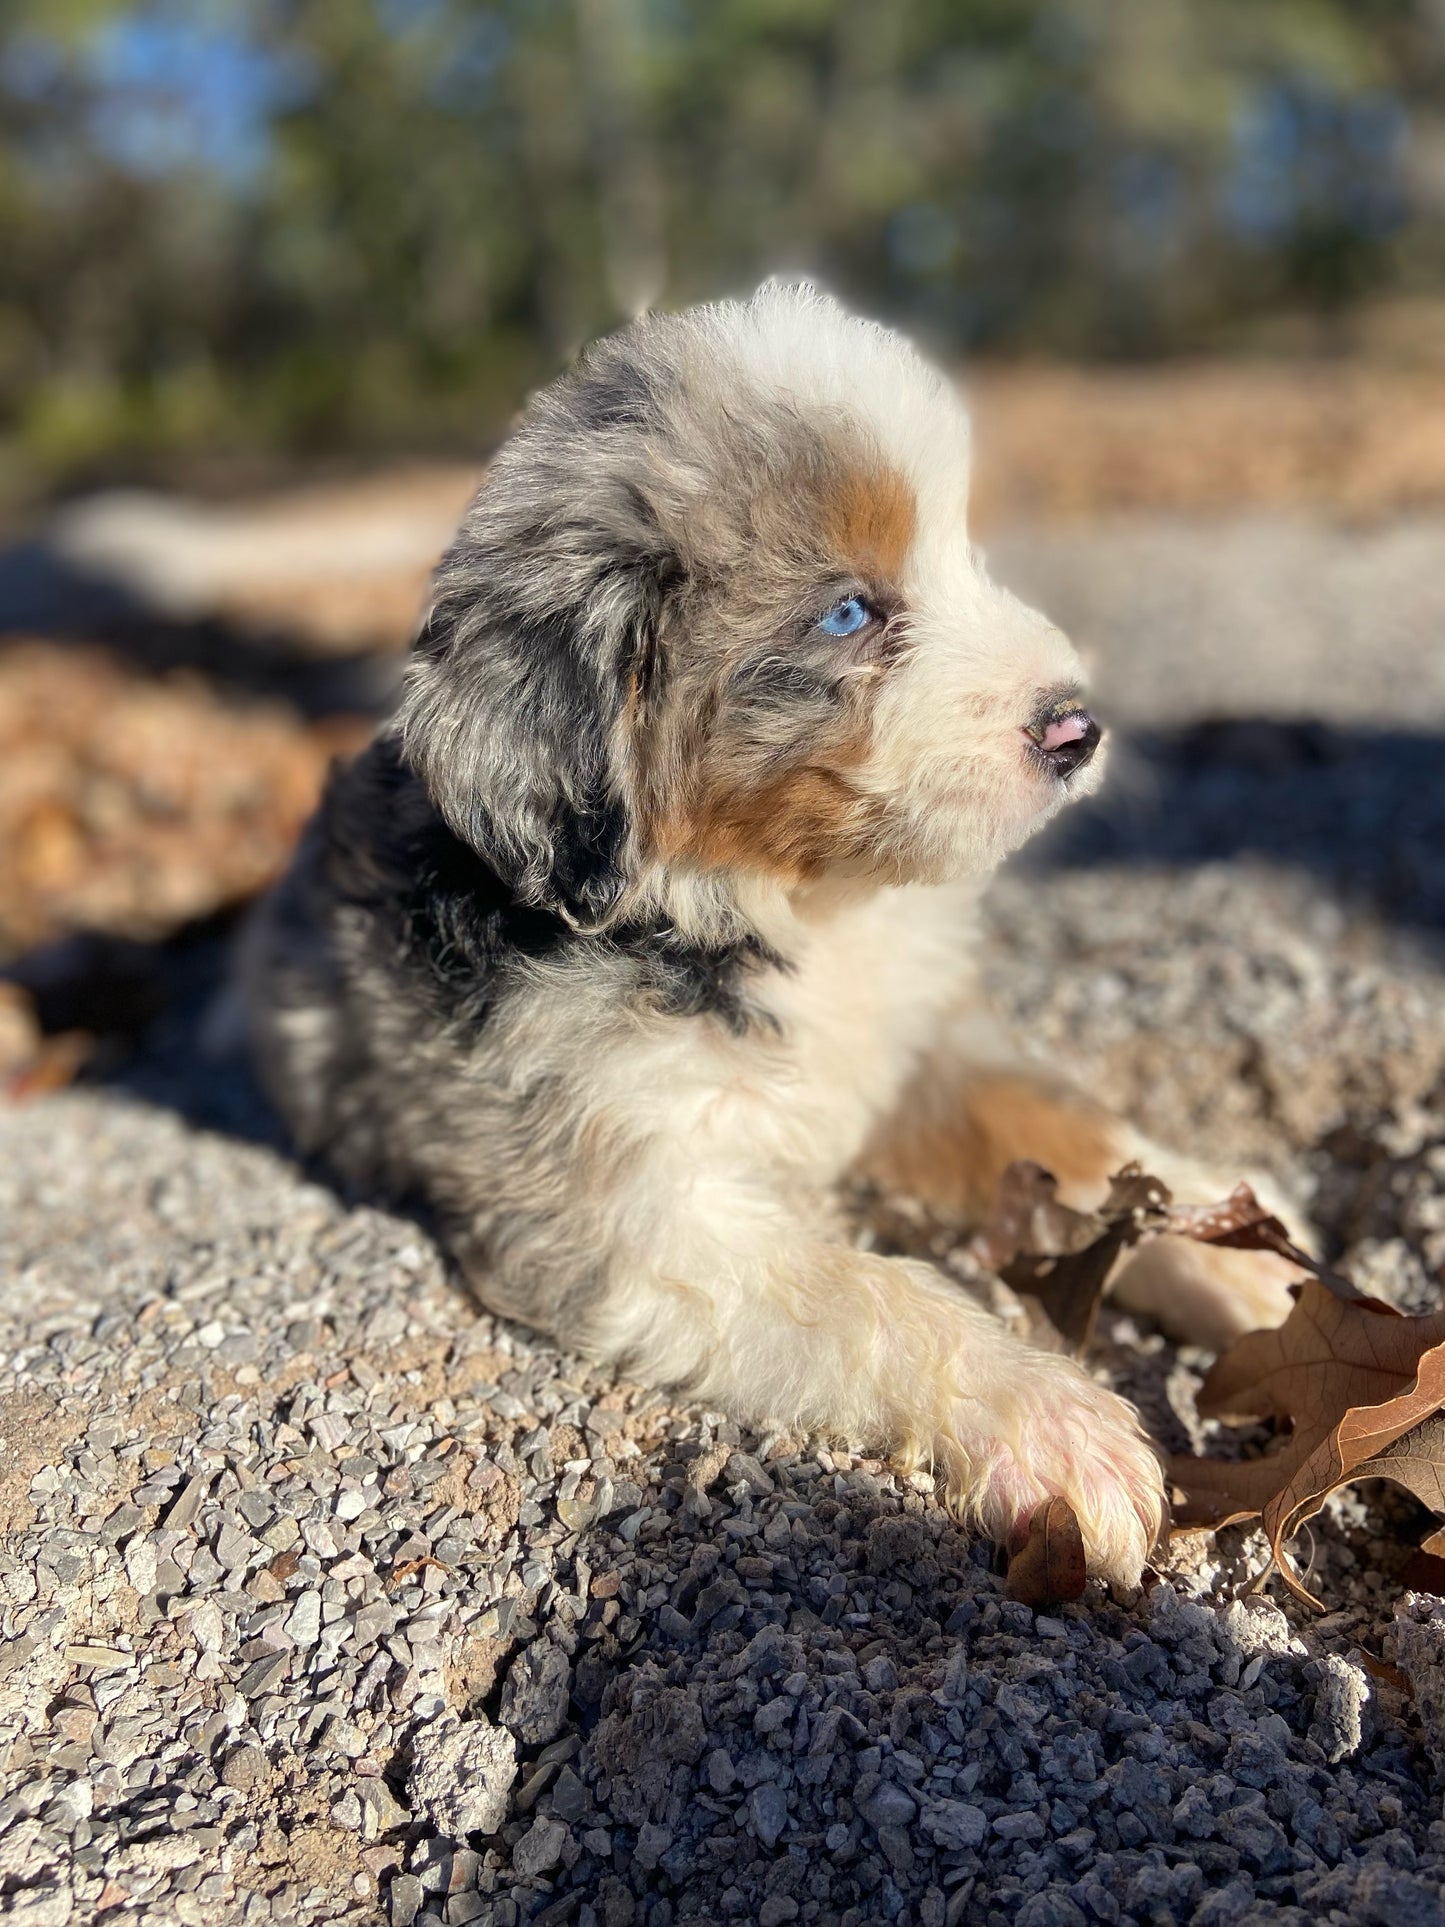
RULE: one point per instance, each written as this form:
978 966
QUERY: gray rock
1051 1908
1340 1701
534 1699
569 1796
1193 1815
260 1677
888 1806
1420 1649
405 1898
1019 1826
768 1811
381 1812
955 1677
540 1847
346 1811
953 1825
461 1774
303 1623
1251 1832
777 1910
652 1843
46 1905
897 1849
880 1675
1226 1905
1387 1897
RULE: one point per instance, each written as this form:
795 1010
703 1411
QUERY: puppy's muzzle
1064 735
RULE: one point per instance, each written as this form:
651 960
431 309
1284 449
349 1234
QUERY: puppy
647 919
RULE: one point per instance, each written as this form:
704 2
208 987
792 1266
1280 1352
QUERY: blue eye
845 618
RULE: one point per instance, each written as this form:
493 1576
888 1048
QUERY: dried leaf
1068 1290
1061 1257
1243 1224
1028 1219
1046 1250
1416 1459
1381 1669
1241 1220
1224 1492
1360 1387
1352 1378
1132 1191
135 802
1050 1566
409 1568
1423 1572
55 1063
1325 1354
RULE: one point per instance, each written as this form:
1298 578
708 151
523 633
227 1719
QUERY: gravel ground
323 1598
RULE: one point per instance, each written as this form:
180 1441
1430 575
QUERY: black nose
1065 738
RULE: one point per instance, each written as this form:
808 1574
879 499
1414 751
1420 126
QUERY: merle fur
386 903
482 850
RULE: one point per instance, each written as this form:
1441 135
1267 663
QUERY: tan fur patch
790 811
948 1144
870 520
793 828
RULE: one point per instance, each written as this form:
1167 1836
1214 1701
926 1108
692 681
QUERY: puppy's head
714 613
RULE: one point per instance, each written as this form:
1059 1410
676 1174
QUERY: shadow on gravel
1363 810
153 1011
782 1695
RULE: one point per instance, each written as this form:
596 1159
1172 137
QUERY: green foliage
256 225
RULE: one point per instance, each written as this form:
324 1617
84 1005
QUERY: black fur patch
391 855
586 847
688 981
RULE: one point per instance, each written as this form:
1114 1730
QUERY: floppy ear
517 707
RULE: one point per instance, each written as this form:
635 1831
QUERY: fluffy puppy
647 919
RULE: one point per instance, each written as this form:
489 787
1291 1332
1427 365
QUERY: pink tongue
1068 729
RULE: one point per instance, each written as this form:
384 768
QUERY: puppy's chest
860 1002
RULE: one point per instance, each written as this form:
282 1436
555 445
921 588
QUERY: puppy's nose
1065 736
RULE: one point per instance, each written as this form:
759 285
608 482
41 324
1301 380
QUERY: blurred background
276 274
241 231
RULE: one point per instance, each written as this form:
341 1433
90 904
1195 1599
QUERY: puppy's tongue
1068 729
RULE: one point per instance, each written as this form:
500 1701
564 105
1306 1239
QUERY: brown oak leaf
1353 1379
1046 1250
1243 1223
1416 1460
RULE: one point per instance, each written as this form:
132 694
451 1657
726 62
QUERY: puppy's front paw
1051 1431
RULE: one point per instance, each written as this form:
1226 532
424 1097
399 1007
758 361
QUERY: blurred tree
346 224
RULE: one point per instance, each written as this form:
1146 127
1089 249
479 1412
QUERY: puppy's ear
519 702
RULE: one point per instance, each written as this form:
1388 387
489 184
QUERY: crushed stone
325 1598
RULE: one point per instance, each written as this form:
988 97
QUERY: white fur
728 1277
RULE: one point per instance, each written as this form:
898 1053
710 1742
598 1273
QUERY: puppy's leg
748 1309
958 1127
